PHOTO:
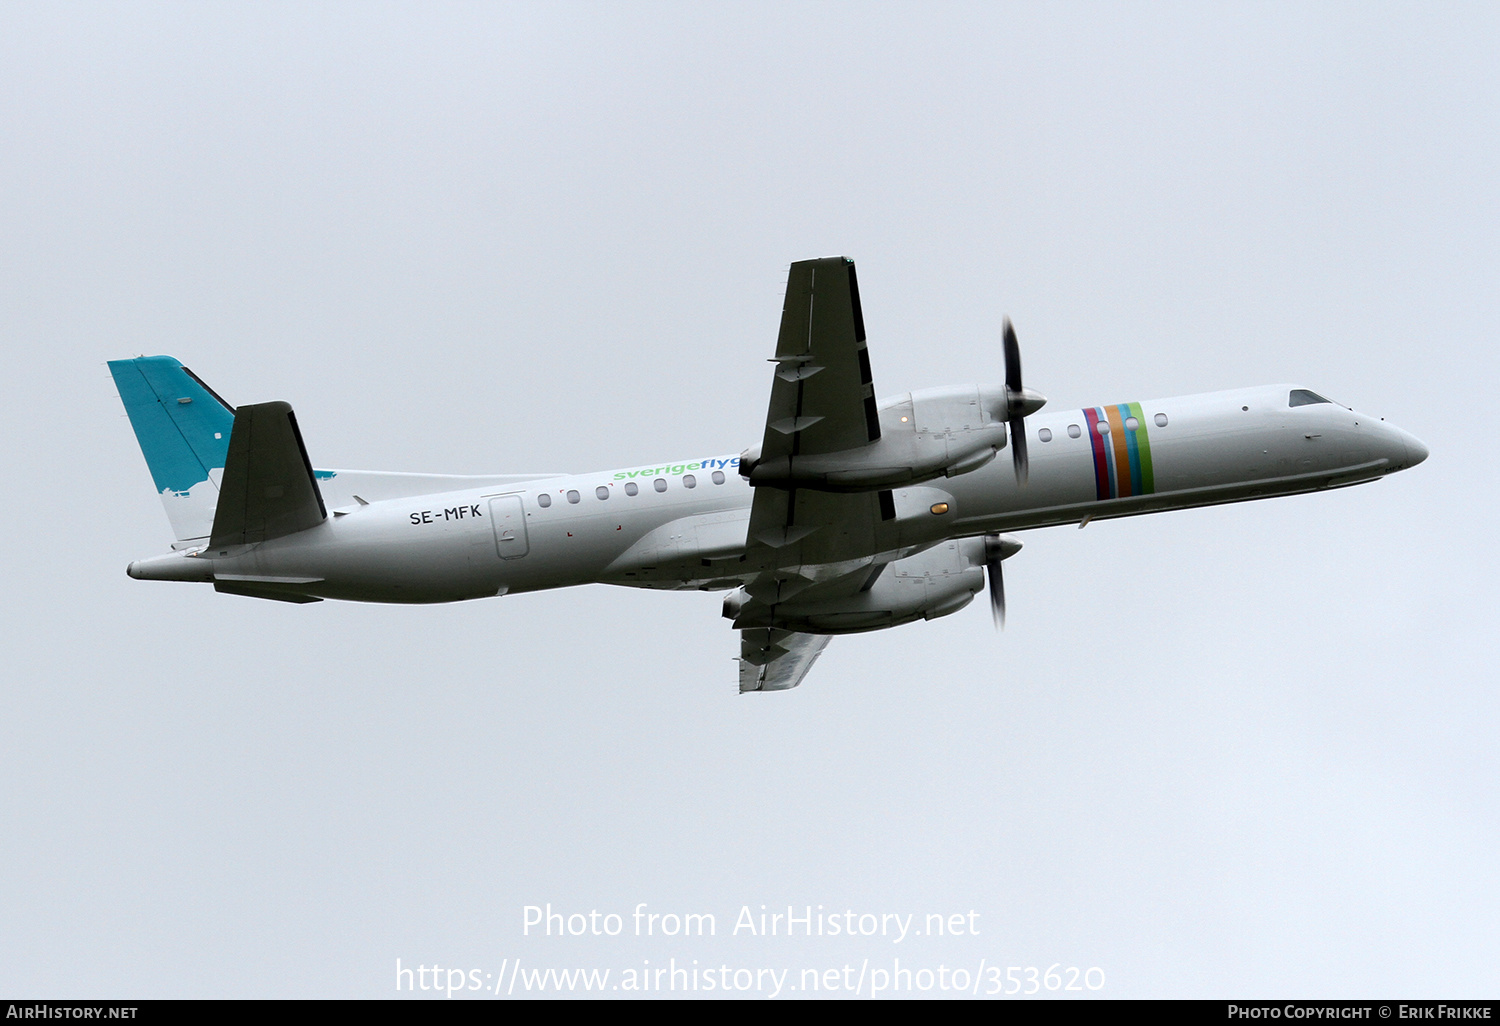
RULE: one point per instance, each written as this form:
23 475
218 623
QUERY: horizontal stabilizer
268 489
277 593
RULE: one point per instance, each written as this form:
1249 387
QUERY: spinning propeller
998 547
1020 402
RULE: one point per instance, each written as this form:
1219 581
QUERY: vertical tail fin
183 429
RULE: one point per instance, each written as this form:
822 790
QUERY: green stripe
1143 444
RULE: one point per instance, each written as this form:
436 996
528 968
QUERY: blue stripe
1135 453
1109 454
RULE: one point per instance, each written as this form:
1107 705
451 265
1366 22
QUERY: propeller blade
1016 425
1017 428
993 554
997 595
1012 359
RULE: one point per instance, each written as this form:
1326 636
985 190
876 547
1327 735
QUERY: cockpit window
1302 397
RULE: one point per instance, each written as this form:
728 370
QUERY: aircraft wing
812 542
776 660
822 398
822 401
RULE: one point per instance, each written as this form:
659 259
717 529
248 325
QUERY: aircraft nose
1416 452
1402 447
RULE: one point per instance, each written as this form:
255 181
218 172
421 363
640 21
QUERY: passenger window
1045 434
1131 423
718 477
602 491
544 500
572 495
631 488
1302 397
1073 431
660 484
689 481
1161 420
1103 427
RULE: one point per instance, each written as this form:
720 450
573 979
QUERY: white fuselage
482 541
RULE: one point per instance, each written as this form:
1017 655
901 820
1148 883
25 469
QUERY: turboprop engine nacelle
940 432
933 583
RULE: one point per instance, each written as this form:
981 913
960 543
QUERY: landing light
939 508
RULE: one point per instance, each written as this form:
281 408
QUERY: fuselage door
508 518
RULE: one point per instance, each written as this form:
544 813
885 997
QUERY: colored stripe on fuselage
1142 452
1122 454
1101 459
1120 449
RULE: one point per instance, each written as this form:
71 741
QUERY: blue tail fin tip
183 429
181 424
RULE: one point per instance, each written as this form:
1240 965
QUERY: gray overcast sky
1239 751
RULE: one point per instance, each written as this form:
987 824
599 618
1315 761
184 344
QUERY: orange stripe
1121 448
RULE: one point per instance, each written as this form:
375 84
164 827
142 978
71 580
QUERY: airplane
852 513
